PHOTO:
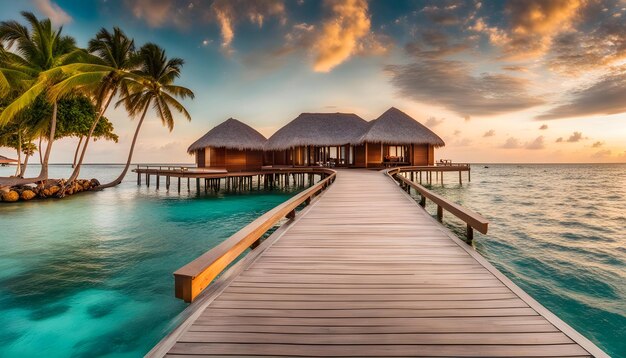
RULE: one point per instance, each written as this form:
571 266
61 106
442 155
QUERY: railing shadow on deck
191 279
472 219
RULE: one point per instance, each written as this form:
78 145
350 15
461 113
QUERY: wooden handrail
191 279
471 218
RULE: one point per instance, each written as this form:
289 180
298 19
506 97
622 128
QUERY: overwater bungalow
317 139
6 161
232 145
395 139
320 139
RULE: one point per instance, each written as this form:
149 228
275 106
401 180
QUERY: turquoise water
92 275
559 232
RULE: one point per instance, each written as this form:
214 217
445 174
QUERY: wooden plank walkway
364 271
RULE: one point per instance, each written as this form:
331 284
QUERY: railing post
291 215
423 201
439 213
255 244
470 234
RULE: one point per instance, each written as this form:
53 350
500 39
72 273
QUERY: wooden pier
361 271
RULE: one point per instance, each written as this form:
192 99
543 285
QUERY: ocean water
91 275
558 232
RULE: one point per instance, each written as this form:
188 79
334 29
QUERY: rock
10 196
53 189
95 182
28 194
44 193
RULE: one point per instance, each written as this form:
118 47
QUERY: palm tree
154 87
39 52
99 77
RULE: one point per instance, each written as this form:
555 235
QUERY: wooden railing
472 219
194 277
176 168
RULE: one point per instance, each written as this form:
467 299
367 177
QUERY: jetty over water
361 271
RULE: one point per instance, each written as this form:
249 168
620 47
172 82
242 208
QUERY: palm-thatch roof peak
320 129
397 127
5 160
230 134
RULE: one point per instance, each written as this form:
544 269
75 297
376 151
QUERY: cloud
543 127
443 13
344 32
601 154
536 144
489 133
451 84
515 68
511 143
575 137
602 43
435 44
433 122
597 144
53 11
228 12
155 12
604 97
341 33
531 26
457 132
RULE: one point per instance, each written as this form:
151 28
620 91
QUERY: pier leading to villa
364 271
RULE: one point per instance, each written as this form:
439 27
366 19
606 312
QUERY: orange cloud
532 26
342 33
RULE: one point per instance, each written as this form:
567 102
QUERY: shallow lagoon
92 275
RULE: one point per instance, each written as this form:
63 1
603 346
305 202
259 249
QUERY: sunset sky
499 81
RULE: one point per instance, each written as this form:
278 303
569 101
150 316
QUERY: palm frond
21 103
179 91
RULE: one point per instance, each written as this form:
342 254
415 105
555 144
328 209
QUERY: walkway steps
366 272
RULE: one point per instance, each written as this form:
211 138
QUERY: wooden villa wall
216 157
200 158
423 155
374 155
420 155
232 160
359 156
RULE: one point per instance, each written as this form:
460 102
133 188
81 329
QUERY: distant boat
486 166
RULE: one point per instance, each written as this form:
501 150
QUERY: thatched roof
231 134
318 129
397 127
5 160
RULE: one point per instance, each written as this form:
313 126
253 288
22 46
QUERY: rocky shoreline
48 190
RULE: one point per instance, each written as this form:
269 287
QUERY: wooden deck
364 271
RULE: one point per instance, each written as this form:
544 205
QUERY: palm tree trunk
43 174
18 168
119 179
40 157
76 171
24 166
80 141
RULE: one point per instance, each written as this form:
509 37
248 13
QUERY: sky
500 81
